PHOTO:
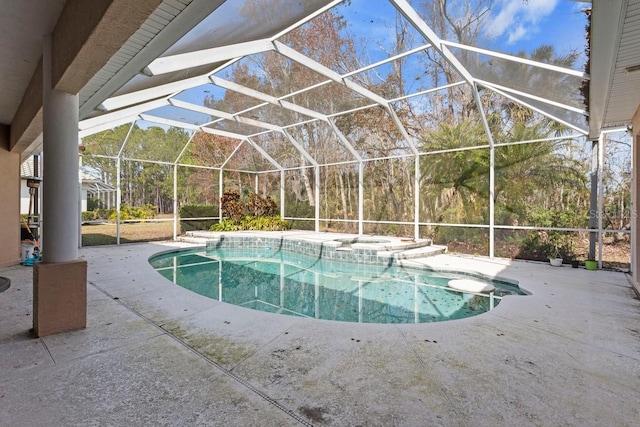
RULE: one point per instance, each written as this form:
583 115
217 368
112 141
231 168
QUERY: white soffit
614 93
166 25
625 90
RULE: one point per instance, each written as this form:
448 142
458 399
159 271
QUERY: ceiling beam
155 92
125 112
405 9
214 55
327 72
518 59
226 84
224 115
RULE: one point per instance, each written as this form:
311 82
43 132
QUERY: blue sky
524 25
511 25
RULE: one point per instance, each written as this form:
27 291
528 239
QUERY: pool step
421 252
193 239
406 250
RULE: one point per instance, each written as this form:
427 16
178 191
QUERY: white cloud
516 34
518 18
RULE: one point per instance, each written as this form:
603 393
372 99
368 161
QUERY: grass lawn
105 234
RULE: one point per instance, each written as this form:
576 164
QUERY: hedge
197 211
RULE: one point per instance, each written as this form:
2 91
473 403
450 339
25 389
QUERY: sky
526 24
511 25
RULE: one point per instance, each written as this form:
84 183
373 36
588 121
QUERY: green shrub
225 225
258 213
87 215
263 223
98 214
541 245
147 211
197 211
252 223
94 204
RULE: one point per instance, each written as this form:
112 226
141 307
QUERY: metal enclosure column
175 202
316 184
220 189
118 197
119 181
416 200
600 203
635 220
593 207
282 193
360 198
492 171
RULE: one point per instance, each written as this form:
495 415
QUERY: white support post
80 201
492 164
118 198
600 196
282 178
633 232
175 202
119 182
220 189
492 203
60 143
360 198
416 199
317 197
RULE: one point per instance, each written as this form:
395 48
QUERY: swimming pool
291 283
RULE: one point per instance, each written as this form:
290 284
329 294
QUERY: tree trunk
343 196
308 187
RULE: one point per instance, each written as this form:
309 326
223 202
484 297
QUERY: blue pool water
294 284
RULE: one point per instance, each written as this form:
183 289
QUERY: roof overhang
614 91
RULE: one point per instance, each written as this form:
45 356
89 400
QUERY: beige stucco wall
635 198
9 202
636 124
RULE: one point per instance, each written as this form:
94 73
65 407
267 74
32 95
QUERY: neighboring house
27 172
92 188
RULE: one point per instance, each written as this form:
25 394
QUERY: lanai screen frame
131 107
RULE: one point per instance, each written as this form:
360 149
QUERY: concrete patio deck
155 354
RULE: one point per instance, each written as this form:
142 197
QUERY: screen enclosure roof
269 73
